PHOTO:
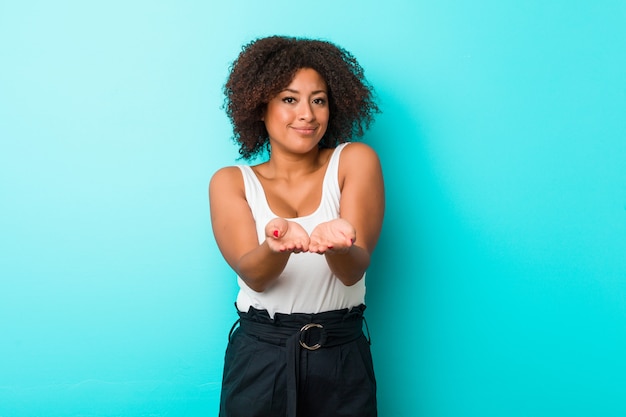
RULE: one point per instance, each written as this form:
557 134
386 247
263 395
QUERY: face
297 117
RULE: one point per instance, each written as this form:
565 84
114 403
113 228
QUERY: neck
295 165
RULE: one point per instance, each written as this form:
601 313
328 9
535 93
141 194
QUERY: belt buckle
305 328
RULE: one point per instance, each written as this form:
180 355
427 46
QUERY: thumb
276 228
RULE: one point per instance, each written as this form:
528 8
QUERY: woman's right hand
284 236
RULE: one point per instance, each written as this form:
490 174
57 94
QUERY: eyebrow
297 92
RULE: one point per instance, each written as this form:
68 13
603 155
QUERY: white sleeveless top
306 285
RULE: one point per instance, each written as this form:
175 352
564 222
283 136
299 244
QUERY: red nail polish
275 233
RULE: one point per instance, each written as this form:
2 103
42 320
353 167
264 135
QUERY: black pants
335 380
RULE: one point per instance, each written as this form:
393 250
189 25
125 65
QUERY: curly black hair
266 66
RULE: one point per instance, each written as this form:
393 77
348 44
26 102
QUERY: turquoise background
499 284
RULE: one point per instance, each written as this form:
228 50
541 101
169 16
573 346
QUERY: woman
299 231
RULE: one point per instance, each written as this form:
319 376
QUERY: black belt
302 331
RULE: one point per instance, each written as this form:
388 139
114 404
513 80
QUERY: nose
305 111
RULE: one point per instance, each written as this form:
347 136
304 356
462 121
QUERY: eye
289 100
319 101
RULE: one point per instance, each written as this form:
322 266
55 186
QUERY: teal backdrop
499 284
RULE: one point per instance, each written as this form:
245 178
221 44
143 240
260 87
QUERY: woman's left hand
334 236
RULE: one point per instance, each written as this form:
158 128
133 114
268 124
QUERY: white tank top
306 285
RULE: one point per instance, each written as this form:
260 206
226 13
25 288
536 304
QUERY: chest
292 199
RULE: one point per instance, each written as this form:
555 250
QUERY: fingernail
275 233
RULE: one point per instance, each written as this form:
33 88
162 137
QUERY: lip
305 130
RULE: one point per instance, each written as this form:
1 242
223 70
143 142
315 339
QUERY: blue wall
498 288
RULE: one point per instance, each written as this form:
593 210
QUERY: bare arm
348 242
234 229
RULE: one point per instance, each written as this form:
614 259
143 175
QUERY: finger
276 228
313 247
273 231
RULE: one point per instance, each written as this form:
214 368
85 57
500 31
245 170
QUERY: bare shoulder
226 180
227 175
358 156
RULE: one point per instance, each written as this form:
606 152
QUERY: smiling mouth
305 130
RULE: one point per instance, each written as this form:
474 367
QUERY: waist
312 331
